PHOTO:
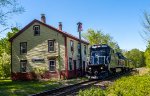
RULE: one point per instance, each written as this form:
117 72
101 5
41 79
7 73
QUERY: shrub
4 66
39 71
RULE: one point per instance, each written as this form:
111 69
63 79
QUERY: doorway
83 67
75 65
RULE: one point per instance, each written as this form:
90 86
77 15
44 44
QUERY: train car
104 61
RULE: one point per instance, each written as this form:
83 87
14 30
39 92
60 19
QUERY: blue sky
122 19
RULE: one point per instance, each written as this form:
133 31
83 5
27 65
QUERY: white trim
54 65
53 43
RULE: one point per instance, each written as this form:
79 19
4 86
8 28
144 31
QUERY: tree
147 56
98 37
146 36
5 54
4 43
136 56
4 66
9 8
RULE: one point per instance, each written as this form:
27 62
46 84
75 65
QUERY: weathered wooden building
42 49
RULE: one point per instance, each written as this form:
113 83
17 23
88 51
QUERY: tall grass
125 86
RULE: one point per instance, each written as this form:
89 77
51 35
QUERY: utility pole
79 30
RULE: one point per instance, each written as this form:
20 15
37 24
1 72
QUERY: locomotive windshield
99 55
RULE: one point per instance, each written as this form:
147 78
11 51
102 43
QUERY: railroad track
72 90
63 91
100 83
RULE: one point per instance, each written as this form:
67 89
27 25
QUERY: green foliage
131 86
136 56
92 92
4 66
5 54
147 56
126 86
98 37
146 36
4 43
39 71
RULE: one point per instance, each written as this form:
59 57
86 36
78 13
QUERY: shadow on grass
23 88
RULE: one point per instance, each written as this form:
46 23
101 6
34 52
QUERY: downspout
11 59
66 56
59 57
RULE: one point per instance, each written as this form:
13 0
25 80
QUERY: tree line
8 8
135 56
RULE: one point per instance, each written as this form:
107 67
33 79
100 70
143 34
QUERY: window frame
53 65
21 52
53 45
35 30
21 66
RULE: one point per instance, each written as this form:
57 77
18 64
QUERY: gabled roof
51 27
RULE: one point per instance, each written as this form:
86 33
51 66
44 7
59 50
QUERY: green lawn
24 88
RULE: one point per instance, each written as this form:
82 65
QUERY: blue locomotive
104 61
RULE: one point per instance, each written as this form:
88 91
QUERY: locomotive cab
99 61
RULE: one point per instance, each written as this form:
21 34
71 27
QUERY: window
78 48
72 45
36 29
23 65
85 49
70 63
23 47
52 65
51 45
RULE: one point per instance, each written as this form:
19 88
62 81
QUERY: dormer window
36 29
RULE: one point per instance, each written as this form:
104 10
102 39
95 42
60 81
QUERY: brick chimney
43 18
60 26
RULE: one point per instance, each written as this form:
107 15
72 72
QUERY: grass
24 88
132 85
